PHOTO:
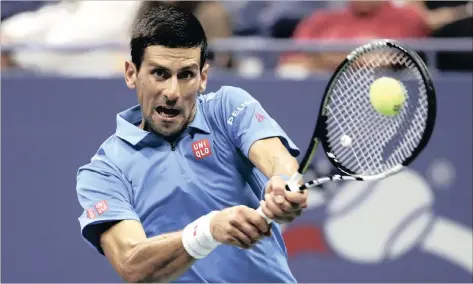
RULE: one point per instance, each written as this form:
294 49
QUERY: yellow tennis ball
387 96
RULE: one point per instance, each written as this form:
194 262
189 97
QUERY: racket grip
292 185
260 211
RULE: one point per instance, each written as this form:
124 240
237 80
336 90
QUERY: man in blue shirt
171 196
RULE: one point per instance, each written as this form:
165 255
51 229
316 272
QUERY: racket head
393 55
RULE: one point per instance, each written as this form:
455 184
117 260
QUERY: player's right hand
240 226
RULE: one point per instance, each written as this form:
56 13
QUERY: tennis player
171 196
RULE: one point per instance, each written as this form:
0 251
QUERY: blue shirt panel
140 176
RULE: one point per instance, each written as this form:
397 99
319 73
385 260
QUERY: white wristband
197 238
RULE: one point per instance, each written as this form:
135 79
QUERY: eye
186 75
161 73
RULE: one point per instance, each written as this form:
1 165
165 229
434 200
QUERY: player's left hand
280 205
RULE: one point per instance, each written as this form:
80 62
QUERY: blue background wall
51 126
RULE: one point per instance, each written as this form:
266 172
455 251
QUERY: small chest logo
201 149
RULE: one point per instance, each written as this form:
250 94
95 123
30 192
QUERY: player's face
167 86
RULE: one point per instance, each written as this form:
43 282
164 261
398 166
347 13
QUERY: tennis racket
361 143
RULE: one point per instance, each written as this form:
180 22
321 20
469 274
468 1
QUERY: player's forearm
282 164
158 259
272 158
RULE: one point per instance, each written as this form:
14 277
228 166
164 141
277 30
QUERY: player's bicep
119 240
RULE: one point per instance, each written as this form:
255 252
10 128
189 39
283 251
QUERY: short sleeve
246 121
105 198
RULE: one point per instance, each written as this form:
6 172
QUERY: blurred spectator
449 19
71 23
437 14
11 8
214 19
270 18
358 19
82 23
275 19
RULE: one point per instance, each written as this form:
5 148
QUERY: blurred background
62 84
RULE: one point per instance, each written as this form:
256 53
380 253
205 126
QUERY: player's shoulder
111 156
226 96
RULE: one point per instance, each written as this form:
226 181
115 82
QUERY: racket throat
294 181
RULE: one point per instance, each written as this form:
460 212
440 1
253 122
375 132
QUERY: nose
172 92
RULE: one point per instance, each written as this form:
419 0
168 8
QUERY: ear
203 76
130 74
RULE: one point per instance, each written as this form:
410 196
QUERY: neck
193 112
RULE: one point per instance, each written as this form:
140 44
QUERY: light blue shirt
137 175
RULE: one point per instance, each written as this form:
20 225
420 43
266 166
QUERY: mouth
167 112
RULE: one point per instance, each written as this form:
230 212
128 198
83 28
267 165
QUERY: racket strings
356 159
372 126
361 128
378 142
415 131
386 129
367 127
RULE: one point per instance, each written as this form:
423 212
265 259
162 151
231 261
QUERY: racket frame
319 135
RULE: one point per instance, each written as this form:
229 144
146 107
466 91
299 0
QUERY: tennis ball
387 96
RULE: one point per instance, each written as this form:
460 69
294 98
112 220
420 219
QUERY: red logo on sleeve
201 149
91 213
259 117
101 207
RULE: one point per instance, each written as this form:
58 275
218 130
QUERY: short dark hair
167 26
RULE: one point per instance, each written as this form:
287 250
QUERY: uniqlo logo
259 117
91 213
201 149
101 207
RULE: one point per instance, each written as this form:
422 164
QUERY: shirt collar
199 122
129 120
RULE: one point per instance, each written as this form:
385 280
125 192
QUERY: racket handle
260 211
292 185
